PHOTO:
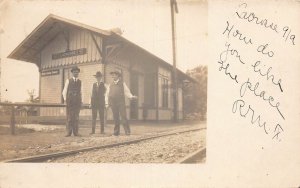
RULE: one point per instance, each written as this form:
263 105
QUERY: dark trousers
94 118
119 110
72 120
73 110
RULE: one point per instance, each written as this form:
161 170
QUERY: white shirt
127 92
65 90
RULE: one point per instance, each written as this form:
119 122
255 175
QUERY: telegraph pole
174 7
1 31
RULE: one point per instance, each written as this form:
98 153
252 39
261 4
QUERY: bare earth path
50 139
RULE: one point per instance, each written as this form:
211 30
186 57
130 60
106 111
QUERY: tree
196 93
31 95
5 110
31 110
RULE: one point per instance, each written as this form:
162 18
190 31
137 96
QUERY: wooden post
173 5
12 120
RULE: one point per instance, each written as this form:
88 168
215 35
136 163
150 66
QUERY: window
165 92
149 90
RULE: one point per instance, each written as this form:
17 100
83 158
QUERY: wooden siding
141 95
151 114
165 114
164 73
77 39
50 92
180 106
51 88
123 59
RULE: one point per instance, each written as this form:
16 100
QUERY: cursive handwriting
262 49
226 71
245 110
233 52
264 74
267 74
236 33
225 66
278 129
248 85
251 17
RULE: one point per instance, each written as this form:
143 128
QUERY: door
134 88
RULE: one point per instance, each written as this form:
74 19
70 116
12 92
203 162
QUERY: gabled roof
29 49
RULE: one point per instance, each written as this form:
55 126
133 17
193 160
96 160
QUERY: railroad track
51 156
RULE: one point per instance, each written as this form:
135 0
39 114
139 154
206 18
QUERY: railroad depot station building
57 44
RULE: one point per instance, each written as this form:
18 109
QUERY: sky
147 23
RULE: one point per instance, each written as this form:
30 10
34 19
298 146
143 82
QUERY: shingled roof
29 49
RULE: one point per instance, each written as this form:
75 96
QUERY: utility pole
1 31
174 7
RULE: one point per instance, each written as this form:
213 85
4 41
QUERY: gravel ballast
167 149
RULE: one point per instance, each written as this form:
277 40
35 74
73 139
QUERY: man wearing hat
98 102
115 98
73 98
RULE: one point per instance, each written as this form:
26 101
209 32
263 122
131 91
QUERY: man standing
115 98
73 98
98 102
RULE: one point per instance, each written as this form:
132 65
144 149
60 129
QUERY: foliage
31 110
5 110
31 94
196 93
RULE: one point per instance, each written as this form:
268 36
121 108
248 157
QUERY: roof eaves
81 25
158 58
64 20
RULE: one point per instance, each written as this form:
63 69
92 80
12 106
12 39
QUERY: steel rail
45 157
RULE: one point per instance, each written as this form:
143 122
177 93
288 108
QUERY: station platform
34 139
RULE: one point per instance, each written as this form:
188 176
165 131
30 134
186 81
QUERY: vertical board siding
77 39
58 45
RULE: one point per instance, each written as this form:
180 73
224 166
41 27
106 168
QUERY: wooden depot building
57 44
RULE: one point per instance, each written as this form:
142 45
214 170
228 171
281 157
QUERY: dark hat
117 72
75 68
98 74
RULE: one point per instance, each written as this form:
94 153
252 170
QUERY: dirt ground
39 139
